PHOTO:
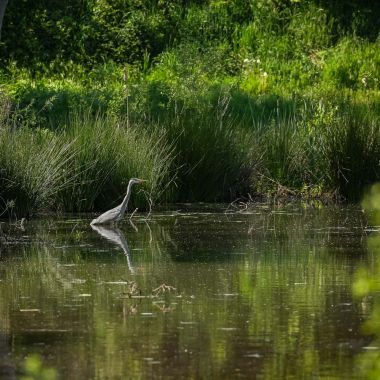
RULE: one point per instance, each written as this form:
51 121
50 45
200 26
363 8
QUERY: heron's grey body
117 213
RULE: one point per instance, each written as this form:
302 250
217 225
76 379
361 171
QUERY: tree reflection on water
261 294
367 287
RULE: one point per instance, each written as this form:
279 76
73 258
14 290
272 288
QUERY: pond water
264 293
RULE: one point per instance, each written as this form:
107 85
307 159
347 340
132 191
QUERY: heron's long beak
143 180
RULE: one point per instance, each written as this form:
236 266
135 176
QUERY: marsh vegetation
208 101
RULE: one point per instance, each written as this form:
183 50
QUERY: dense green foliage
94 31
236 97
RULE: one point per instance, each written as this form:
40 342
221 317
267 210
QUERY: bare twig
133 213
162 289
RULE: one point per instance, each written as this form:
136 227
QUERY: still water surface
265 293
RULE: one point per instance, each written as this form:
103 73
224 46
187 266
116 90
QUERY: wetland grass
85 163
83 166
33 167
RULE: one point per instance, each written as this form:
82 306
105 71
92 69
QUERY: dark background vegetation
91 32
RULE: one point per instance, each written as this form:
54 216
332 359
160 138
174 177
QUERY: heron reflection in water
117 237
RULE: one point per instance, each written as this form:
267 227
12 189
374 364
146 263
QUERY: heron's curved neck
124 204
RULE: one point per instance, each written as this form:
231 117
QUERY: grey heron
117 213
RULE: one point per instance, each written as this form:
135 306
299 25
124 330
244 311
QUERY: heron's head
133 181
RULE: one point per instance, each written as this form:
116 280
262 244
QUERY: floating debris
163 308
67 265
30 310
162 289
133 289
77 281
257 356
117 282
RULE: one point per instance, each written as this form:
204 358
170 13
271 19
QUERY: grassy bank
207 101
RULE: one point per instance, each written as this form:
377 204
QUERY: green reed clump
285 154
110 152
34 163
33 170
81 165
352 149
212 156
322 148
211 150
